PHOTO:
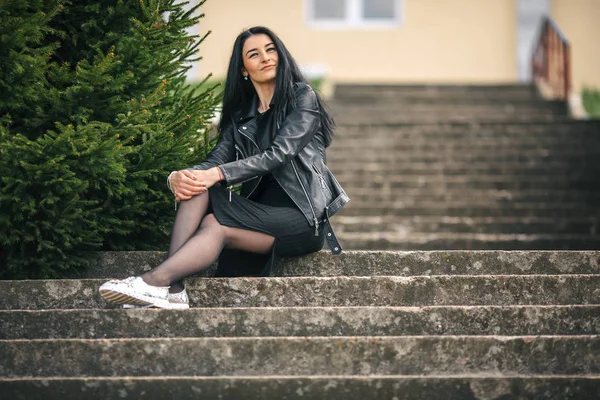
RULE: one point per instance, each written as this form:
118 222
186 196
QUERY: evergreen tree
95 112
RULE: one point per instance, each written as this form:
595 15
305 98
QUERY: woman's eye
271 48
253 54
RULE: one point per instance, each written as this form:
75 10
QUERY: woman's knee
210 221
197 201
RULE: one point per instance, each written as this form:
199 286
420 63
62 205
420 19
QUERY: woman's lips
267 67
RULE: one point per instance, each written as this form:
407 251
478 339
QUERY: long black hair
238 91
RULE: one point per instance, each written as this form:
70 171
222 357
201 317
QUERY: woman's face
260 58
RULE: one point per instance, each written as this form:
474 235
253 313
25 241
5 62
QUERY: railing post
545 46
567 69
551 61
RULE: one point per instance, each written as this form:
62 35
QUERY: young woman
273 133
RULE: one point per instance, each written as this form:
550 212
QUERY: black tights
196 242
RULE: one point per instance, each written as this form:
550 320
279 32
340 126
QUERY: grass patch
591 102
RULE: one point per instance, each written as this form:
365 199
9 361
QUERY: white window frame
354 18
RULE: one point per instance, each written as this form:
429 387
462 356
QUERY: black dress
269 210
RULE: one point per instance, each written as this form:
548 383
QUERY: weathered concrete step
459 103
441 150
455 194
458 143
429 115
361 195
406 172
538 156
398 387
562 129
383 263
356 118
402 168
440 99
403 355
436 91
497 182
466 241
408 225
465 210
393 180
304 321
414 101
342 109
440 154
536 126
493 166
423 206
478 202
328 291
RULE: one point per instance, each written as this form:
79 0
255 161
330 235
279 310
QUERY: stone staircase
430 168
364 325
464 167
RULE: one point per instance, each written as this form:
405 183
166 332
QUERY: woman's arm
296 132
196 180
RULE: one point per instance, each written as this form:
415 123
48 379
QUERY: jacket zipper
308 198
316 221
259 178
321 178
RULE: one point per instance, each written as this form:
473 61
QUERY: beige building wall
439 41
580 22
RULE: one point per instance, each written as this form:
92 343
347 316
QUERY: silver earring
245 78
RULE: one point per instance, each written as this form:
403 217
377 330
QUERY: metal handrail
551 61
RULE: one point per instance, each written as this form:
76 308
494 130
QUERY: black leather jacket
295 158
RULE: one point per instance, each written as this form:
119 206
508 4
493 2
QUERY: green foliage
94 113
591 102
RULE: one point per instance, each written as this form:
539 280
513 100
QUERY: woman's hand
208 177
186 183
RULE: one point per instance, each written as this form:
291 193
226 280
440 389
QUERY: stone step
437 92
490 225
371 97
415 101
466 241
473 181
438 153
356 118
437 96
304 321
327 291
427 111
347 109
388 203
459 151
455 142
115 264
385 133
518 129
465 209
397 387
289 356
492 182
358 194
336 158
481 203
455 168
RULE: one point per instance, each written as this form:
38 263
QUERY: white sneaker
134 290
177 301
